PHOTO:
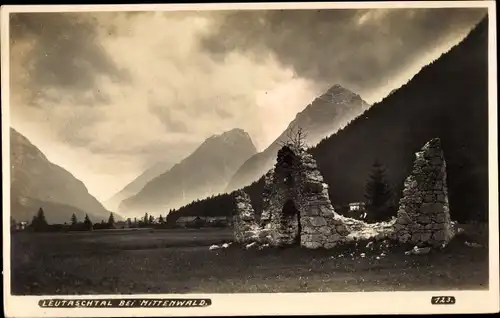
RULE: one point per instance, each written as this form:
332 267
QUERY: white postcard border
411 302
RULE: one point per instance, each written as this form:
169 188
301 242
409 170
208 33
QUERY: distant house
186 221
121 225
357 206
21 226
357 210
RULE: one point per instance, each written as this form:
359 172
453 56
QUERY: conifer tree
74 220
111 220
161 220
87 223
41 217
378 194
39 222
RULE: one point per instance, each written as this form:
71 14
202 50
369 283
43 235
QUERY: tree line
39 223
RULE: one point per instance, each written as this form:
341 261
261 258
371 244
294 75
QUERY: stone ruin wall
299 184
295 181
424 214
245 226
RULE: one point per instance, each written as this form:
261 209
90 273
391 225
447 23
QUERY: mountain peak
337 87
233 136
232 132
339 95
337 103
237 130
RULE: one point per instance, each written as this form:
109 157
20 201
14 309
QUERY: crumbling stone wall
296 205
321 225
245 226
423 214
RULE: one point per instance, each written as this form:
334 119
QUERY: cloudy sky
106 95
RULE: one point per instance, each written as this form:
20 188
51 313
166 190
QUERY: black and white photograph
249 150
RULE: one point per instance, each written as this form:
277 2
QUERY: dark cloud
65 55
358 48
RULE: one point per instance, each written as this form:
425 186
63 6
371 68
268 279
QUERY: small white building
21 226
357 206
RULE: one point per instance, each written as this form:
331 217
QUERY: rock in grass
472 244
418 251
250 245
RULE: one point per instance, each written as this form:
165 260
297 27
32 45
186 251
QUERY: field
179 261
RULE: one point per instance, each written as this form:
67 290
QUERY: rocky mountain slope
36 182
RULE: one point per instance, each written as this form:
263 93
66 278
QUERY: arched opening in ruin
291 219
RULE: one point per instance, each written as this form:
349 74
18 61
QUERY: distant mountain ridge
323 117
36 182
203 173
137 184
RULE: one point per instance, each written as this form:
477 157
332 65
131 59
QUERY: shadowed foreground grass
178 261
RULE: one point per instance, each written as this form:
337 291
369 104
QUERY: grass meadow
179 261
